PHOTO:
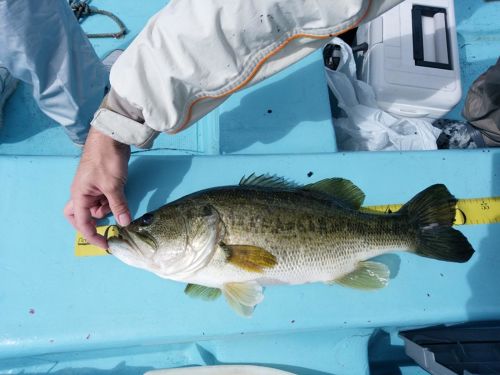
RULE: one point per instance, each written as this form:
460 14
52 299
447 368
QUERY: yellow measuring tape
469 211
84 249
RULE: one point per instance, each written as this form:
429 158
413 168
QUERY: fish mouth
130 238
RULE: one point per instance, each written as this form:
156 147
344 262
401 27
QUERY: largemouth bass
234 240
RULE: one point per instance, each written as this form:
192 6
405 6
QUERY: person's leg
7 86
44 45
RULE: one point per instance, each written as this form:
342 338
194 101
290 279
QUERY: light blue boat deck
94 315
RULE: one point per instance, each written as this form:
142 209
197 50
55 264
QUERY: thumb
119 207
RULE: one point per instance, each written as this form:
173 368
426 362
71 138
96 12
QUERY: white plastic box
412 59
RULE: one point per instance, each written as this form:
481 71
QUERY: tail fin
433 212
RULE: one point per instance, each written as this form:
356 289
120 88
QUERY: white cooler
412 59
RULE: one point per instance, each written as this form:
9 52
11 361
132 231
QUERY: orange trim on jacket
262 62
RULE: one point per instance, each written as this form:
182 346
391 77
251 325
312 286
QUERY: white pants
41 43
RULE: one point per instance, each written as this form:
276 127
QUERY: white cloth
367 127
41 43
193 54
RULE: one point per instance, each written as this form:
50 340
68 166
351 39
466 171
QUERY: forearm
99 140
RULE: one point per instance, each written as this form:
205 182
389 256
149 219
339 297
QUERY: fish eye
146 219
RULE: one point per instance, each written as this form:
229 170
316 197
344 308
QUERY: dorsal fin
267 180
340 189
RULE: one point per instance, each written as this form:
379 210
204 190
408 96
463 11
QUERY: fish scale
288 224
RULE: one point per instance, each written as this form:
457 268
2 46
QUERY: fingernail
123 220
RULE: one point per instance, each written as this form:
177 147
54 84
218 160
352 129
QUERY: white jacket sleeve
193 54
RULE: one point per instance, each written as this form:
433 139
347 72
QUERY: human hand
98 186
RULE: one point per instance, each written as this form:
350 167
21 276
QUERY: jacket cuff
123 129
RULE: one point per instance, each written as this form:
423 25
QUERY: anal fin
368 276
243 297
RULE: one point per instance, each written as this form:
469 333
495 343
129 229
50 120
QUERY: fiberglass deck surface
84 315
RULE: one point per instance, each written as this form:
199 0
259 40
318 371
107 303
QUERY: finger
69 213
71 219
119 207
100 211
97 240
86 225
68 208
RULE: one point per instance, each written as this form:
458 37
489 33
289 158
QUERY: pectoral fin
248 257
368 276
243 297
203 292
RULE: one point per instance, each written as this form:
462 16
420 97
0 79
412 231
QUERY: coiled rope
81 9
